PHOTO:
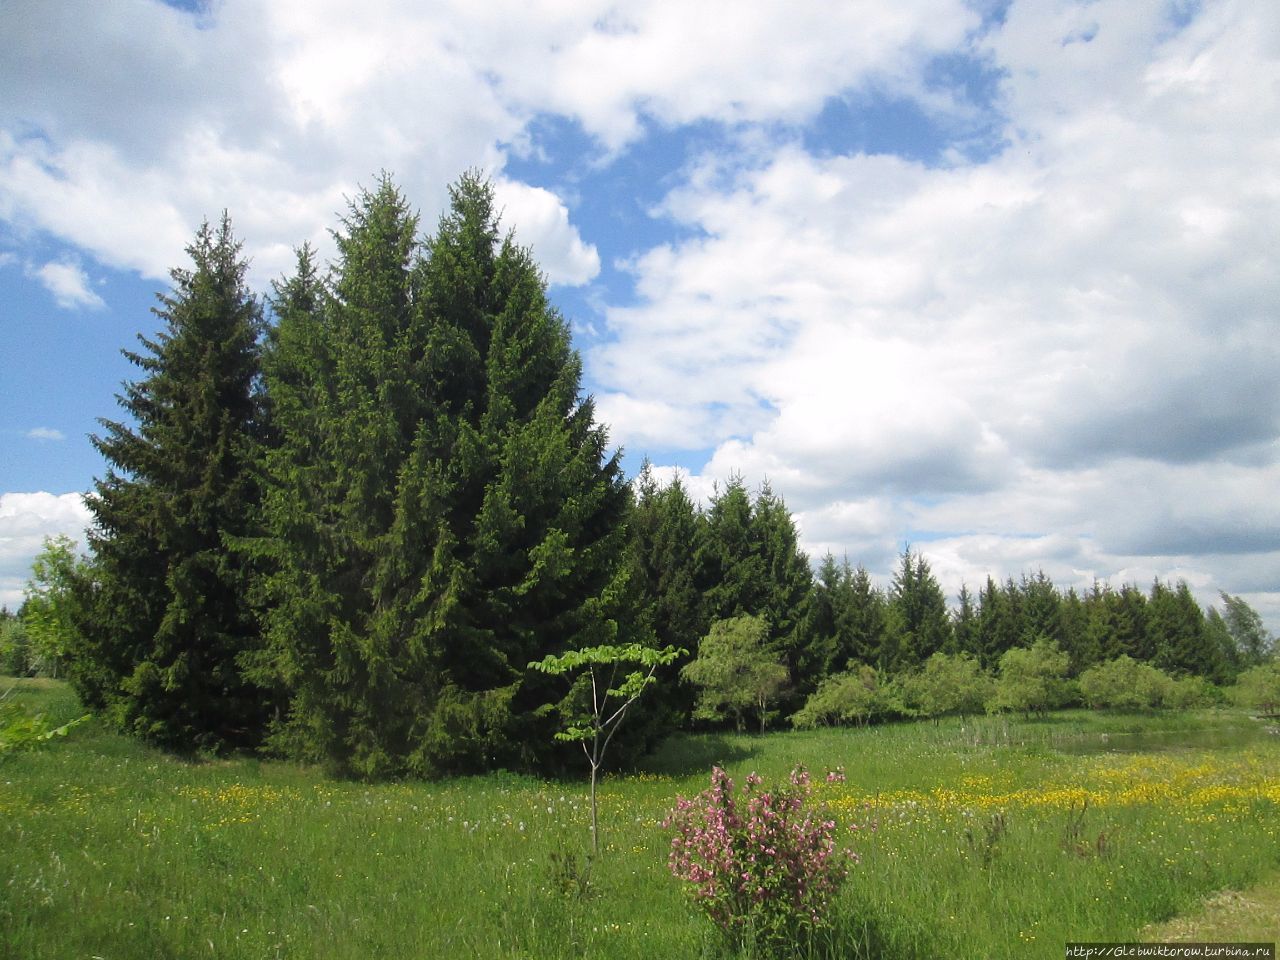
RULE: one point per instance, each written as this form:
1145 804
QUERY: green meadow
977 838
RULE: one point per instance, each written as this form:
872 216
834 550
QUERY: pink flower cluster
760 863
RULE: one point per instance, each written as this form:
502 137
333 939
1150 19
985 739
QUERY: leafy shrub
947 684
761 864
1191 692
1125 684
856 696
1259 687
1032 679
736 673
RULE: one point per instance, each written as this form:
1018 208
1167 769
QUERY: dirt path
1228 916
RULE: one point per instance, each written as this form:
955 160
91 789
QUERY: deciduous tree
735 672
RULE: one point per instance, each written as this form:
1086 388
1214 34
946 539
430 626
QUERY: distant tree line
356 522
774 639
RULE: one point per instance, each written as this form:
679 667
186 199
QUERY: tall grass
972 837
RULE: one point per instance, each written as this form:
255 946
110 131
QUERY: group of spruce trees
347 533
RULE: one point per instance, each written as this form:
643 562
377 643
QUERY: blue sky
998 279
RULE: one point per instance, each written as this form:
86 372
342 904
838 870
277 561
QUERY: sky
997 280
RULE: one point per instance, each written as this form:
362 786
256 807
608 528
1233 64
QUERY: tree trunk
595 821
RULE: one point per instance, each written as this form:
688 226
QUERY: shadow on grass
686 754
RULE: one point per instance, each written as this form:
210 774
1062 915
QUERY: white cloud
25 520
541 222
148 120
45 433
677 63
69 285
1063 355
124 125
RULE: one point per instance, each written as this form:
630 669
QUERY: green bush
1126 684
1032 679
1190 693
1259 687
947 684
856 696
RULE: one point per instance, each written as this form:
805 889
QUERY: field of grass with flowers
977 838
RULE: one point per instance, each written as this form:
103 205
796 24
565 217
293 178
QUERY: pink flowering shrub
761 863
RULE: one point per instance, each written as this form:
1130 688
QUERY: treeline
731 574
346 534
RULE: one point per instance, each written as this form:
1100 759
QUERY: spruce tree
165 623
1102 641
1129 617
731 569
1074 616
443 509
999 629
919 612
964 626
1179 634
666 529
1040 609
861 625
788 579
822 614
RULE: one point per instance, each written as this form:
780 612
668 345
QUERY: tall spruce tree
863 624
1129 618
999 629
1176 630
1076 640
919 612
1039 609
731 570
964 625
666 529
788 580
165 622
822 617
443 509
1102 641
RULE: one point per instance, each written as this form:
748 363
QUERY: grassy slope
978 846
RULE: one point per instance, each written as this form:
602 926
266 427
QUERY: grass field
987 838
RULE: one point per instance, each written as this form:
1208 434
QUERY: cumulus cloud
69 285
122 126
26 519
1062 354
671 63
540 221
